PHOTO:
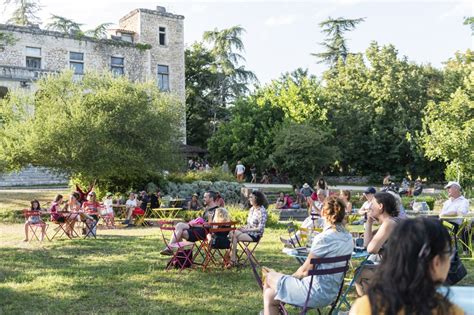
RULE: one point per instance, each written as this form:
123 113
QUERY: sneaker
167 252
286 242
126 222
130 225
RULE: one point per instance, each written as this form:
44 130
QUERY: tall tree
335 44
62 24
24 12
232 77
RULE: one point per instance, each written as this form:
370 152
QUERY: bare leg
364 279
270 305
26 231
180 232
236 237
43 231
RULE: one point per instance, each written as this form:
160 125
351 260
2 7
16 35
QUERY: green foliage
303 150
215 79
142 47
230 191
408 201
24 12
64 25
448 133
99 32
6 39
240 215
469 20
215 174
102 128
335 44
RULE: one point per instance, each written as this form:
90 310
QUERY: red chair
33 227
201 244
182 256
315 262
218 249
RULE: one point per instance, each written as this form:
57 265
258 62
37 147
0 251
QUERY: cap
108 194
195 195
305 185
452 183
370 190
91 193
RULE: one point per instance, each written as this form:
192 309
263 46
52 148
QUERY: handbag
457 271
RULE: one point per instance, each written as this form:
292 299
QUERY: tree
99 32
102 127
448 133
201 97
233 78
469 20
335 44
64 25
377 109
24 12
303 151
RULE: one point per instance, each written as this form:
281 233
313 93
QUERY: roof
192 149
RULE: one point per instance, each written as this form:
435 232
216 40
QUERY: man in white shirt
239 171
455 206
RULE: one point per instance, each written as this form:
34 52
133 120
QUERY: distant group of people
199 165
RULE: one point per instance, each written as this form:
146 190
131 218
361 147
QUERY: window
163 78
127 38
116 65
76 62
162 36
33 57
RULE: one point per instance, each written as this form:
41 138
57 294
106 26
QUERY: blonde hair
221 215
334 210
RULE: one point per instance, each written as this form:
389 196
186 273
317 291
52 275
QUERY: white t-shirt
240 169
108 205
365 207
457 207
131 203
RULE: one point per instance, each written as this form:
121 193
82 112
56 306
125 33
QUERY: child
220 239
35 219
109 211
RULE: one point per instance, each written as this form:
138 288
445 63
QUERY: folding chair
106 217
315 262
201 245
248 251
182 251
464 235
33 227
216 251
60 230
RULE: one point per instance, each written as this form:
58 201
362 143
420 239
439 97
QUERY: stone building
147 45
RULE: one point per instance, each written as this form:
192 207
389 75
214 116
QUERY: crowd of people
422 245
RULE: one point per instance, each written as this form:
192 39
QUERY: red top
91 206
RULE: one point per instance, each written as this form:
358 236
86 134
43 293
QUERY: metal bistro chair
220 246
182 256
315 262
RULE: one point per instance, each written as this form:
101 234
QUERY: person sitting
384 210
284 201
306 193
91 206
345 195
456 206
143 201
132 209
194 233
256 220
323 185
415 264
313 220
155 199
220 200
109 210
220 239
55 209
35 219
194 203
334 241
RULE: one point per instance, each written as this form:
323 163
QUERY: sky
281 35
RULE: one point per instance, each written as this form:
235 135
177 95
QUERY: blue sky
282 34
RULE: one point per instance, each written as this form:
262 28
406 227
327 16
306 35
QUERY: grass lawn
122 272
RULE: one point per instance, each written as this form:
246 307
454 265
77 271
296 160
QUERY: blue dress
332 242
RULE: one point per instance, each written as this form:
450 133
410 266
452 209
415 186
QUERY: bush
428 199
230 191
214 175
240 215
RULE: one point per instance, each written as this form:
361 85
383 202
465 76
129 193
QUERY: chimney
161 9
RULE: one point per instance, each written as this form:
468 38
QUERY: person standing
225 167
253 171
239 171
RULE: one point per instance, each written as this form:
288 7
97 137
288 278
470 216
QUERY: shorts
60 219
138 211
255 238
34 220
196 234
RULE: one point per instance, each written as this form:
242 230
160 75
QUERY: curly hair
334 210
